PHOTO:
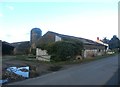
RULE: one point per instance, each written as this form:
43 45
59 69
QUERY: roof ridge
70 36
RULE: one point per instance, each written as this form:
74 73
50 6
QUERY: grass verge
85 60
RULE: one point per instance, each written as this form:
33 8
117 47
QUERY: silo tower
36 33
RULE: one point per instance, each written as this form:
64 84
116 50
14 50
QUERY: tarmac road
99 72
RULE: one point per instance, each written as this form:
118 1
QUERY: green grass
24 58
33 59
97 58
54 68
85 60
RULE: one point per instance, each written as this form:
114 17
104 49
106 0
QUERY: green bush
63 50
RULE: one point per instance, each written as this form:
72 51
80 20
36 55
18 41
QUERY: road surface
99 72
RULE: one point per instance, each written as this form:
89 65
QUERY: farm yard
21 67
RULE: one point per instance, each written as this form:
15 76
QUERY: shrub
63 50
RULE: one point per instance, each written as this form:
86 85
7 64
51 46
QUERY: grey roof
15 44
85 41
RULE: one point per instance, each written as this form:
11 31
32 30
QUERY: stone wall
22 48
42 55
90 53
93 53
93 50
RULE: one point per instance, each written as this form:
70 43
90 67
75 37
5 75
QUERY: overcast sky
82 18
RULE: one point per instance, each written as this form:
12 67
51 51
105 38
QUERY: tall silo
36 33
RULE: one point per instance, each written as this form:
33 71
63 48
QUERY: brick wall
47 38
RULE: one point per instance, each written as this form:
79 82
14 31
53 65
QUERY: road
97 72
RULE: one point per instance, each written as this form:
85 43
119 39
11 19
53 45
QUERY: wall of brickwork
47 38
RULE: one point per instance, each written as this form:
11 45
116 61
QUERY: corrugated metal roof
85 41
